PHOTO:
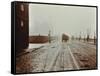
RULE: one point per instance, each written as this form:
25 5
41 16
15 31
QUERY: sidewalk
26 51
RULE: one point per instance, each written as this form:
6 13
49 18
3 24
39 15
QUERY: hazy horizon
58 19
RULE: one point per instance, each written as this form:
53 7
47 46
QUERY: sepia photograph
54 37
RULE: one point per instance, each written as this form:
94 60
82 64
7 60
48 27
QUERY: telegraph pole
49 35
80 36
88 35
94 38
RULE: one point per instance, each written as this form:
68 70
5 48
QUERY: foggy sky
61 19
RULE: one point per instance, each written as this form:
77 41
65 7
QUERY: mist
71 20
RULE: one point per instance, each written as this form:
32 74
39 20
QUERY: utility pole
94 38
80 36
49 35
88 35
84 38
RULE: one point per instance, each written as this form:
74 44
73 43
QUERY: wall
21 26
38 39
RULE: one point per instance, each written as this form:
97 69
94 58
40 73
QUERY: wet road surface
58 56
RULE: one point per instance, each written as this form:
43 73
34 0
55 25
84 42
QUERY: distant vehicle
65 38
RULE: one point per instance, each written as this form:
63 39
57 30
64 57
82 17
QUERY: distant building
38 39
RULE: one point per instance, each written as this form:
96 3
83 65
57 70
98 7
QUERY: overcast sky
61 19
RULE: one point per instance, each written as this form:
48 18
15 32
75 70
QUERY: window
22 7
22 24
